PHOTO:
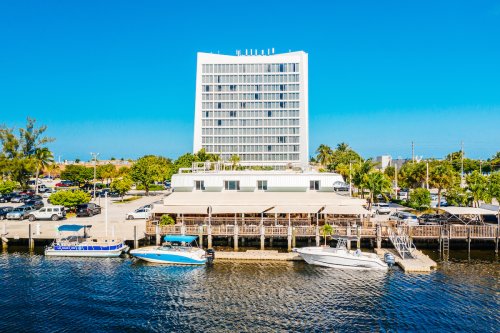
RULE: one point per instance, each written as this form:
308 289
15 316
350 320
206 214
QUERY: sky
118 77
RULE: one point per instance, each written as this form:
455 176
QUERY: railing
415 232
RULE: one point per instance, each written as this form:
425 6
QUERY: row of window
250 139
252 96
249 131
231 79
239 88
250 68
261 157
249 105
234 185
252 114
253 148
250 122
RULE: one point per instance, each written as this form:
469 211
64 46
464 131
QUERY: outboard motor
210 255
389 259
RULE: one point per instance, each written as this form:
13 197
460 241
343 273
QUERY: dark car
6 197
19 198
4 211
35 203
88 209
429 219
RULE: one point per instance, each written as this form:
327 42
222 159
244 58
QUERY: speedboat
76 245
176 249
341 257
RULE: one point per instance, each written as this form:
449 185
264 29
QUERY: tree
166 219
235 161
377 183
326 230
324 155
203 156
121 186
149 169
43 157
360 170
7 186
443 177
343 169
390 171
456 196
69 199
106 172
412 175
184 161
420 198
52 168
78 174
494 185
477 185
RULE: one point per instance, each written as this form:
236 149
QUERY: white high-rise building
254 106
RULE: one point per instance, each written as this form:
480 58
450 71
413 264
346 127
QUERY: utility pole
413 152
427 176
94 156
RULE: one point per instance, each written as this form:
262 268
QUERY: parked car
403 195
89 209
404 218
4 211
53 213
65 183
20 213
35 203
6 197
380 208
18 198
429 219
139 213
48 192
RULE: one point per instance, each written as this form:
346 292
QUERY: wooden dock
421 263
258 255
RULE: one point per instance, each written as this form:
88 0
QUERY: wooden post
468 240
496 240
317 235
348 235
236 237
4 238
289 238
262 237
200 236
209 232
379 235
294 241
358 234
136 241
270 242
440 239
31 242
158 236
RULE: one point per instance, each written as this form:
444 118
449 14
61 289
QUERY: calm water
91 295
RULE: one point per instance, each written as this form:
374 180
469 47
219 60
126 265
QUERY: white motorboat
84 246
341 257
177 249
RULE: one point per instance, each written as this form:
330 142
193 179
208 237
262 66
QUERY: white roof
229 202
468 211
345 210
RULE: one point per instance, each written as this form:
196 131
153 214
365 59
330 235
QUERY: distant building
383 162
254 106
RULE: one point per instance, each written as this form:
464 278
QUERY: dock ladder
445 243
402 242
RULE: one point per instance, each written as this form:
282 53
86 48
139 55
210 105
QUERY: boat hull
154 255
342 259
77 251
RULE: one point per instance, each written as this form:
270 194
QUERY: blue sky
118 77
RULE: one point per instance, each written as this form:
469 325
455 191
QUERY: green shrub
167 220
69 199
420 199
152 187
7 186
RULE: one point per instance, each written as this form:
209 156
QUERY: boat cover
179 238
70 227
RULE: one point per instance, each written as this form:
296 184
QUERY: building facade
253 106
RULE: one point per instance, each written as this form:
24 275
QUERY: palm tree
477 185
343 147
53 167
42 158
326 230
377 183
235 160
442 176
343 169
324 155
361 169
494 185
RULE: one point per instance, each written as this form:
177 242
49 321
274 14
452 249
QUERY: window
232 185
199 185
314 185
219 122
262 185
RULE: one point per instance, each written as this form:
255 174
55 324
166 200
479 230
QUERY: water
82 295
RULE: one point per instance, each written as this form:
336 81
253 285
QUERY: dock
421 263
258 255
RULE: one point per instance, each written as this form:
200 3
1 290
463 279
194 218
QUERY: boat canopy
179 238
71 227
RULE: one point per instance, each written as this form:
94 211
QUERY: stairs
402 242
445 244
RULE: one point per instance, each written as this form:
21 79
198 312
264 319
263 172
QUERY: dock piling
236 237
31 242
289 239
136 241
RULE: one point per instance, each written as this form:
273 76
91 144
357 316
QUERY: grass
128 199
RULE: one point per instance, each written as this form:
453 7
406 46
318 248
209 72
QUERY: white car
53 213
380 208
139 213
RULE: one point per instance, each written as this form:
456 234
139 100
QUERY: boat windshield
176 245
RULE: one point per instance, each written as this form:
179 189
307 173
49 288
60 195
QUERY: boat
176 249
341 257
77 245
